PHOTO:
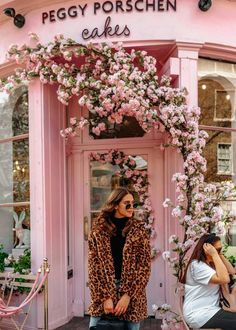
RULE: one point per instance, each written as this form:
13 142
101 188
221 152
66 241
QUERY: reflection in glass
14 172
7 235
217 100
103 180
224 158
101 183
232 235
128 128
216 93
229 206
14 113
220 154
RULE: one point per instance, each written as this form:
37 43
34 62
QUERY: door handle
86 228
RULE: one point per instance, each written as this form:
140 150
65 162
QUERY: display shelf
101 187
97 172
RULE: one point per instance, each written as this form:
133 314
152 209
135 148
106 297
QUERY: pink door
100 179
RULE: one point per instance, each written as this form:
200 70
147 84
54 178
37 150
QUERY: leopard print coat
135 271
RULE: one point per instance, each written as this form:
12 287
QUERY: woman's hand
108 306
221 276
122 305
228 265
209 249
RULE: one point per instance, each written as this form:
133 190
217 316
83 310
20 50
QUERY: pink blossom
166 255
167 202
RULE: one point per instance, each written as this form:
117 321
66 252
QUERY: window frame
20 137
232 117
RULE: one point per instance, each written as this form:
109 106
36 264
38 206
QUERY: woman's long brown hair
103 221
199 253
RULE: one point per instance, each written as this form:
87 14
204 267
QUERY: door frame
80 176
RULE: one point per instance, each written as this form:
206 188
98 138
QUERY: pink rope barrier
34 286
4 306
8 311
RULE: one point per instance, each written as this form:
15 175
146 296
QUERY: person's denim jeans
131 325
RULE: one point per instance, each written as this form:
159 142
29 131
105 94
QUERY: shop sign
109 29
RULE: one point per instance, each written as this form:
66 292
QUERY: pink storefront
196 48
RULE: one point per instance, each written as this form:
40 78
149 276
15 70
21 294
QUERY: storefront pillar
47 177
187 56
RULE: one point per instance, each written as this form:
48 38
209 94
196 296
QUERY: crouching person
206 271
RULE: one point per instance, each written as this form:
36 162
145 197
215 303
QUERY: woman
119 262
206 270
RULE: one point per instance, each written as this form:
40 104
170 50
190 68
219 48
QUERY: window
216 98
224 105
103 180
224 158
14 166
128 128
216 93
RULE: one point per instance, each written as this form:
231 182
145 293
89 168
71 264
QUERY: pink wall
187 24
187 32
48 194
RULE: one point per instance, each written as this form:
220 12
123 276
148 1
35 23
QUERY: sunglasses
129 205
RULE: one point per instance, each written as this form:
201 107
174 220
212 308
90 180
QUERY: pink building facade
194 47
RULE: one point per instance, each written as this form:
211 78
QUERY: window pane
224 160
217 93
8 237
104 179
230 237
221 165
14 113
128 128
220 155
14 172
217 99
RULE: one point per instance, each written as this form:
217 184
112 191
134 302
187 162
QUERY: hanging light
18 19
204 5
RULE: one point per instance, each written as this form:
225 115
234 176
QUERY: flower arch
113 83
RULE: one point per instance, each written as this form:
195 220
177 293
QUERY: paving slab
81 323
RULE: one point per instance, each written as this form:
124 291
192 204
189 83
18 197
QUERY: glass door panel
104 178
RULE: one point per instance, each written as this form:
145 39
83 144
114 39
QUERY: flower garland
137 180
112 83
